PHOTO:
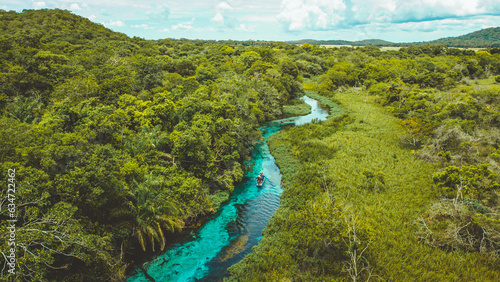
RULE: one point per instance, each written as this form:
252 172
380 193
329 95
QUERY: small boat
260 183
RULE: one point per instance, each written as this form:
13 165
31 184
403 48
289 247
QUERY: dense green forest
488 37
119 142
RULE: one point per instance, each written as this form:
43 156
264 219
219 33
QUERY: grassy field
336 46
357 160
372 143
480 85
489 81
298 109
390 48
381 48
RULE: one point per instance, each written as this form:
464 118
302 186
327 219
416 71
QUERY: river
230 234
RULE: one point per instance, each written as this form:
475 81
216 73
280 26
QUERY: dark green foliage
474 180
475 206
446 155
119 141
488 37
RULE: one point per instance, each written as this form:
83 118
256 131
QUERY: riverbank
350 209
230 234
298 107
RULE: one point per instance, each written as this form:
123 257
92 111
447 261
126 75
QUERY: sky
282 20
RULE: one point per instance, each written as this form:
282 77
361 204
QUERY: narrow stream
230 234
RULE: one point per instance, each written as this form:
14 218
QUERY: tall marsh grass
386 188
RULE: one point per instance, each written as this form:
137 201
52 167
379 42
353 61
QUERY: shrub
451 225
474 180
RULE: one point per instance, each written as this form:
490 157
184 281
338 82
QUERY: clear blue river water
230 234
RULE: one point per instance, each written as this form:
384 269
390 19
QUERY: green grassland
490 82
354 168
297 108
383 48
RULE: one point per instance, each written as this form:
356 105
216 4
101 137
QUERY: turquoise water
231 233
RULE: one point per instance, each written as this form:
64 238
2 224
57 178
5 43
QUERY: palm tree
149 139
149 214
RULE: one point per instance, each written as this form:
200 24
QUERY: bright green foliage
248 58
297 108
473 180
77 89
359 159
149 214
314 240
416 130
118 142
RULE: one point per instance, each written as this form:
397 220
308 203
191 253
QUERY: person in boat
260 178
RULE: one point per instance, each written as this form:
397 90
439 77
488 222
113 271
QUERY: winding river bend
231 233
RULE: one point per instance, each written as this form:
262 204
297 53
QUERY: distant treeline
486 38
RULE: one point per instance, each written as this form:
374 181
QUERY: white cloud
161 13
38 5
114 23
218 18
143 26
245 28
298 15
399 11
74 7
393 20
310 15
184 25
224 6
447 24
259 18
225 14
